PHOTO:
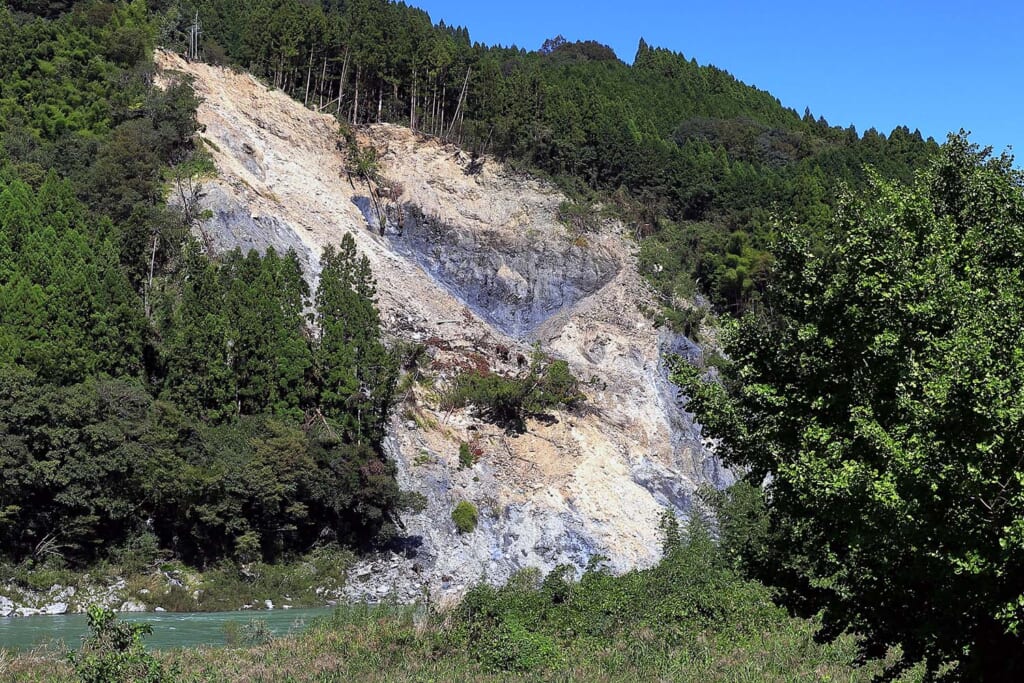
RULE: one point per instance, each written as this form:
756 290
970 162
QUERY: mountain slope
475 266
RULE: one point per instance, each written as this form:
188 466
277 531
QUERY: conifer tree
355 371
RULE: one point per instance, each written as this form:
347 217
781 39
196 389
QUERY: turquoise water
170 629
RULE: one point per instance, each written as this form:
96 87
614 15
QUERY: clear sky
937 66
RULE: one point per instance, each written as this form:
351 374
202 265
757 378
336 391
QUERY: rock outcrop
473 264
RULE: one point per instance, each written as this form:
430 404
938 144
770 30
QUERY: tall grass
690 618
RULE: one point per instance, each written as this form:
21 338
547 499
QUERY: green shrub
257 632
113 651
465 456
232 631
465 517
507 401
138 553
512 647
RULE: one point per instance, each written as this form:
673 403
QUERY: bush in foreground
113 652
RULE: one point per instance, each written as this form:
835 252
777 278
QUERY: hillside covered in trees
152 396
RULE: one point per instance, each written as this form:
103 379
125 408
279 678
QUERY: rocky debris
131 606
389 576
60 599
475 267
231 225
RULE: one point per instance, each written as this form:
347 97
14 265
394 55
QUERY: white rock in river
56 608
269 604
132 606
6 606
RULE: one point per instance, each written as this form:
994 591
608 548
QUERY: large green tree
880 397
355 372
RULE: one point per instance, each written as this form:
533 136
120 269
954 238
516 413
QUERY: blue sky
938 66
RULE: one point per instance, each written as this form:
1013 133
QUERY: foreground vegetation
691 617
880 403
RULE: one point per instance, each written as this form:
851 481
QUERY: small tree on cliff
883 399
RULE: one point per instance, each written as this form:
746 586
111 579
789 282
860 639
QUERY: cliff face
474 265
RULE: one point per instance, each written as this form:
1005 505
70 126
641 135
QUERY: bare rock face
512 288
473 264
232 226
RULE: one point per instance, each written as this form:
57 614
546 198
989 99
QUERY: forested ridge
699 164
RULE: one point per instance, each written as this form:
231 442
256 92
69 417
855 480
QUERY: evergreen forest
153 395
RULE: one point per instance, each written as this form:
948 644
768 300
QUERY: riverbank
690 617
398 644
318 579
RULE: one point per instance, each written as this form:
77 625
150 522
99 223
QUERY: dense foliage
151 396
882 399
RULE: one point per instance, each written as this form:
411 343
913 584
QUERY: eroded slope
474 265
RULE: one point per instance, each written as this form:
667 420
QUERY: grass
403 644
689 618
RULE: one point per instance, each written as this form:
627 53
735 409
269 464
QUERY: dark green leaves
882 394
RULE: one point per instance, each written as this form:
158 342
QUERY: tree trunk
412 103
433 110
458 109
147 302
320 87
380 100
309 77
341 81
444 91
355 100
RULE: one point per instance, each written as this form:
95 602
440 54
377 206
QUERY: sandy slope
592 482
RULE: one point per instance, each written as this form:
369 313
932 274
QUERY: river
170 629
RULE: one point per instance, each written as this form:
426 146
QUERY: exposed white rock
55 608
6 606
131 606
